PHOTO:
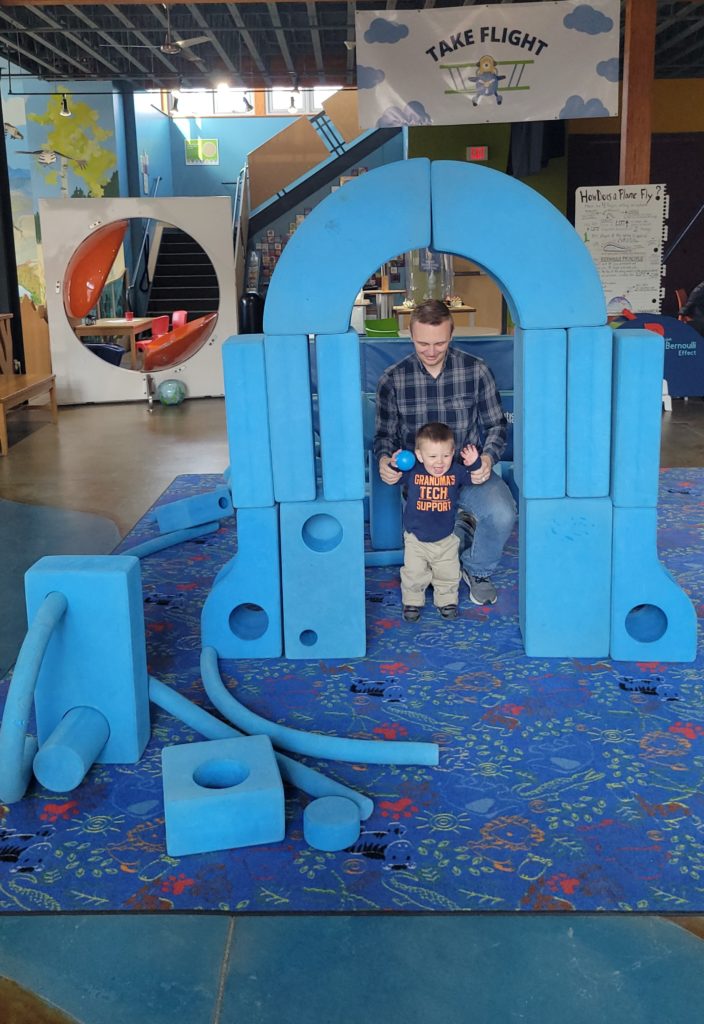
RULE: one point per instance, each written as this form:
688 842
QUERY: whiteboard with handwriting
624 228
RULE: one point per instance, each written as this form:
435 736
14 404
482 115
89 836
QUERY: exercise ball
171 392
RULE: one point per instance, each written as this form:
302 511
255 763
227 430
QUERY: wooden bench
18 388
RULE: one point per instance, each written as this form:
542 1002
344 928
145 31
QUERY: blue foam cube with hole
222 794
195 511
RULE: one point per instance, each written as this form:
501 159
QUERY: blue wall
153 138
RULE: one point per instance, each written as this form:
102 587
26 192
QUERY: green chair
386 328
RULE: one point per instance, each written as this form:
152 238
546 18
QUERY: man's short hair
433 312
434 432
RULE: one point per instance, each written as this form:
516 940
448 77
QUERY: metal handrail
143 247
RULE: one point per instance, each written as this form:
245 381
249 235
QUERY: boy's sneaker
481 589
448 611
411 613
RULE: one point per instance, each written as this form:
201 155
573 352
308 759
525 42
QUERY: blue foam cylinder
637 414
168 540
290 416
385 514
340 411
195 510
540 426
251 478
331 823
63 761
589 358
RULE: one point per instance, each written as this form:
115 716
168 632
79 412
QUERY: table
401 311
386 300
117 327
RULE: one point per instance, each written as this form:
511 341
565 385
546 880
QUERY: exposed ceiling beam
315 39
215 42
64 57
14 47
249 42
78 42
110 40
351 55
281 40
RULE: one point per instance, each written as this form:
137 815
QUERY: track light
249 107
65 112
174 102
292 105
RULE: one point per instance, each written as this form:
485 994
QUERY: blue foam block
652 618
250 476
341 242
241 617
385 517
521 240
564 581
340 407
589 355
96 657
322 572
637 413
195 511
540 416
290 416
331 823
222 794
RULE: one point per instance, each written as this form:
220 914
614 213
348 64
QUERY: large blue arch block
564 579
290 416
521 240
340 410
241 617
589 357
540 410
97 656
637 413
322 572
652 619
251 479
344 240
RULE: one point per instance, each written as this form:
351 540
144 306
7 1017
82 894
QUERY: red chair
179 318
160 325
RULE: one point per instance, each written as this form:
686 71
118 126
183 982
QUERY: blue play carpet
562 785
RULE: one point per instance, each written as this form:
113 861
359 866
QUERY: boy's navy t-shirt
432 500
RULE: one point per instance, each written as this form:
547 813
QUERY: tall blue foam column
589 356
385 520
290 416
340 408
540 424
250 475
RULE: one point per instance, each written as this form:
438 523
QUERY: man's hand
469 454
481 475
387 471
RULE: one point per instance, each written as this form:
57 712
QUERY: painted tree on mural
73 144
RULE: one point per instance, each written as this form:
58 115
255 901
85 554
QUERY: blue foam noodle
195 510
250 474
589 357
290 416
340 408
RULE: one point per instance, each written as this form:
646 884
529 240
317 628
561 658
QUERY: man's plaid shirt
464 396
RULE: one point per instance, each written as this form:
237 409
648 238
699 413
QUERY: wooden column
637 94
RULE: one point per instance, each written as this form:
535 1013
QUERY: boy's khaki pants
432 561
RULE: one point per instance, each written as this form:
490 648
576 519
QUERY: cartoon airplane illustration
480 79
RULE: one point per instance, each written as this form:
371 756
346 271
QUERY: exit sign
477 152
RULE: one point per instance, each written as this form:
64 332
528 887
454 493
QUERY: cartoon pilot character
486 82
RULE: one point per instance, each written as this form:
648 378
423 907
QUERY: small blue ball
405 460
171 392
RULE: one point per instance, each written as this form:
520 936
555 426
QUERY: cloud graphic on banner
608 69
414 113
586 18
576 106
383 31
367 78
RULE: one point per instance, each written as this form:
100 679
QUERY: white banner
472 65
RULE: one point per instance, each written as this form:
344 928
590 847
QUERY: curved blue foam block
63 761
652 619
196 510
341 242
589 357
637 415
539 261
241 617
249 475
339 381
540 413
290 416
331 823
385 518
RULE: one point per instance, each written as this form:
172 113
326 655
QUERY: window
305 101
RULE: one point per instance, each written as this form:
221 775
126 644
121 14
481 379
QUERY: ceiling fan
173 46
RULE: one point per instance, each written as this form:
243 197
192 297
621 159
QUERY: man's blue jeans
492 507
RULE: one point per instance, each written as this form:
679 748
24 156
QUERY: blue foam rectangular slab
322 571
540 416
290 416
97 656
589 357
652 618
241 617
340 407
564 582
251 478
637 413
196 510
385 512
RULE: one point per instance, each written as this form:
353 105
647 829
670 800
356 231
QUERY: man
438 383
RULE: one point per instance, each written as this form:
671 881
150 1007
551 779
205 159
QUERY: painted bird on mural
14 133
48 156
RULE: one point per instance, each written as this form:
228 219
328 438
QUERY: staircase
183 278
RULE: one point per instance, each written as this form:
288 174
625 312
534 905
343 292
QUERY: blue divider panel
589 355
340 409
344 240
385 519
96 657
521 240
222 794
565 577
637 412
241 616
540 429
250 474
322 571
290 416
652 619
195 511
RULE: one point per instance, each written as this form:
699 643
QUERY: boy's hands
387 468
469 454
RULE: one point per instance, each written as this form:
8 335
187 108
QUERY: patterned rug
562 785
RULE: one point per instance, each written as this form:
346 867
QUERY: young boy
431 549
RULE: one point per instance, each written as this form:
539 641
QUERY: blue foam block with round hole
222 794
290 416
540 413
339 382
241 617
344 239
637 414
195 510
331 823
652 619
589 357
250 475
